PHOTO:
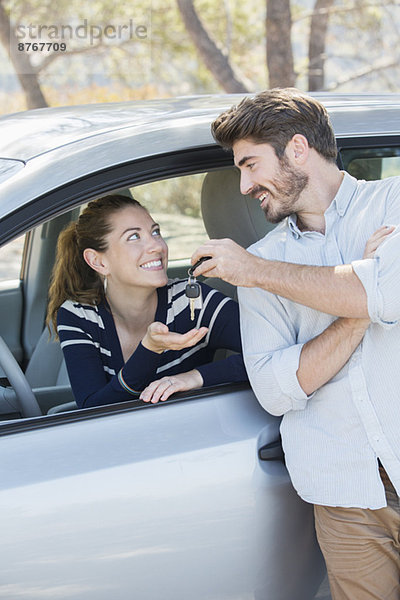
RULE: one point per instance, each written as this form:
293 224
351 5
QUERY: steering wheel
26 400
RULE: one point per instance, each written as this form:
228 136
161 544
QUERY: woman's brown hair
72 278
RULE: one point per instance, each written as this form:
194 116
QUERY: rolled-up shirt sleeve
270 351
380 277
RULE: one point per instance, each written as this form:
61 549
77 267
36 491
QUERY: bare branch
86 50
51 57
347 9
378 67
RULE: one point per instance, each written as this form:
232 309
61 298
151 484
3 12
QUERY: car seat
229 214
46 371
46 366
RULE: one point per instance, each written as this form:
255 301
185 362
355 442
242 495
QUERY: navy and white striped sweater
94 358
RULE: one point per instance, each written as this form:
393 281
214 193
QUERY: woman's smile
153 265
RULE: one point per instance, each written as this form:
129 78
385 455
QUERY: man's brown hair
274 117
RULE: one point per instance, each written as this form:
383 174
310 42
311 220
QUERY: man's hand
376 239
158 338
163 388
229 262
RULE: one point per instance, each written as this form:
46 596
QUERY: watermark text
82 31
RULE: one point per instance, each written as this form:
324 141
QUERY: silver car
187 499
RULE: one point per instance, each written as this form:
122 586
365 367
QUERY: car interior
39 354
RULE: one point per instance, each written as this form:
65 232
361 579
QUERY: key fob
192 290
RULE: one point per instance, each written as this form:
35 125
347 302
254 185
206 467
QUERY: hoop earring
105 285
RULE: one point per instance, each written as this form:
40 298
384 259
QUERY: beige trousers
362 548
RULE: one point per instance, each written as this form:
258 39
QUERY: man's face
276 183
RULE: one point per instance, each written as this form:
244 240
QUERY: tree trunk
212 56
279 45
317 43
21 63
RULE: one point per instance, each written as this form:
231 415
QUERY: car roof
43 149
28 134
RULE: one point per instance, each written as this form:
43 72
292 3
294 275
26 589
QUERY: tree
216 61
279 44
27 75
31 67
279 51
377 23
317 44
200 46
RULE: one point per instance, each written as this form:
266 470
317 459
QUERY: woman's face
136 255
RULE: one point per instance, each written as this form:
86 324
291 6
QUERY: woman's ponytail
72 278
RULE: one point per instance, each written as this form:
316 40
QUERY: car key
192 291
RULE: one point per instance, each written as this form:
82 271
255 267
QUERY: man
320 317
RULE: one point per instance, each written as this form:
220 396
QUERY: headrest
229 214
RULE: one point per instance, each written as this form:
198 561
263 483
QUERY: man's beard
289 184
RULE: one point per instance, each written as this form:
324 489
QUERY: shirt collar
292 224
340 203
344 194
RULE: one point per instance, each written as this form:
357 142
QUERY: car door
167 501
184 499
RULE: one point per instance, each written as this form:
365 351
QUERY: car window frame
81 190
77 192
362 143
83 414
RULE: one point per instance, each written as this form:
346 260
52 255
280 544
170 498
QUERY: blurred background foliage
200 47
194 47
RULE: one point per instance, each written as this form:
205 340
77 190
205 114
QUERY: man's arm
322 357
333 290
283 371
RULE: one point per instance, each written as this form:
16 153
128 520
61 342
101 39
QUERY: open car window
174 202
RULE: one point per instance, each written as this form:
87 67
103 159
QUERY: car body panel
91 156
170 502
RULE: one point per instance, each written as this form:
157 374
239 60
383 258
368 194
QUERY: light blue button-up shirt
332 439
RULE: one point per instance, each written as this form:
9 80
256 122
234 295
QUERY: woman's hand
163 388
158 338
376 239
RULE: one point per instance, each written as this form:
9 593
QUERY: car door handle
272 451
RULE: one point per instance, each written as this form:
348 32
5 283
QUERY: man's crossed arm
333 290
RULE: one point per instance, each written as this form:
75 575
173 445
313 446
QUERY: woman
124 328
